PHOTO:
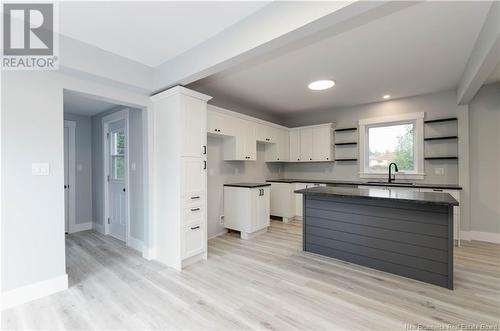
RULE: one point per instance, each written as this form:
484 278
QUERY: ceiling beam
274 27
484 58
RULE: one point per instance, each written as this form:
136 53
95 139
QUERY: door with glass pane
116 181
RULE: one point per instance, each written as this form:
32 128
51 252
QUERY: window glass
391 143
118 167
118 155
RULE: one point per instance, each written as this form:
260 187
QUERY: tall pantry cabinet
180 178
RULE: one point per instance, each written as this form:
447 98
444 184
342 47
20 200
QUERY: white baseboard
491 237
34 291
148 253
135 244
98 227
80 227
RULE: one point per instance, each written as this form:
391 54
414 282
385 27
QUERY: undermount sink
393 183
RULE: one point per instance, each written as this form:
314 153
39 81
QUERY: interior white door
66 179
117 202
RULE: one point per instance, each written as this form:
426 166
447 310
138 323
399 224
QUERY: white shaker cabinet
312 143
220 124
246 208
279 150
295 145
283 200
306 144
243 146
180 182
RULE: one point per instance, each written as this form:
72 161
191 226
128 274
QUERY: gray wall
83 171
435 105
484 160
221 172
136 185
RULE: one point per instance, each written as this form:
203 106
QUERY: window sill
385 175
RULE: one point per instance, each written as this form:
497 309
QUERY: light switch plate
79 167
40 169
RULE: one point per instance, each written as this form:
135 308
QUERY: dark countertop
355 182
405 196
248 185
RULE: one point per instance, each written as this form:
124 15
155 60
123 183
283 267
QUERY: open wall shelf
441 138
449 119
441 158
346 144
346 129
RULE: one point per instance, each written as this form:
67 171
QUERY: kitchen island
402 232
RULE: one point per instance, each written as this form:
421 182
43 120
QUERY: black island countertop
377 194
366 183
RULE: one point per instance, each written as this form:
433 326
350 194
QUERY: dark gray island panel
409 238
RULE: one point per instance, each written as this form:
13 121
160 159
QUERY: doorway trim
71 125
106 120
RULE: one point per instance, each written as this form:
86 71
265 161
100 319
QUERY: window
397 139
118 155
391 143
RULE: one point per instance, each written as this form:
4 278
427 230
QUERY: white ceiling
150 32
418 50
79 104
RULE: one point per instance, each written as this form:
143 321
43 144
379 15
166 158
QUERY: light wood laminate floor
266 283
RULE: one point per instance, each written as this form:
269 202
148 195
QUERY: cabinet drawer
193 199
193 242
193 214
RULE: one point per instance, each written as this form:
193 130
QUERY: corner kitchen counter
405 233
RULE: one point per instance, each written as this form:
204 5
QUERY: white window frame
365 124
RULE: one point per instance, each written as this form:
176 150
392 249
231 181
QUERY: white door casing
70 175
116 188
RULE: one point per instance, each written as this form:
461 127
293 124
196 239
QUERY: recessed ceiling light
387 96
321 85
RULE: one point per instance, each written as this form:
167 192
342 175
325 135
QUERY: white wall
83 171
221 172
484 117
32 242
435 105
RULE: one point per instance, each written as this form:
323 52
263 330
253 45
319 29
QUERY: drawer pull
195 197
195 227
436 190
195 209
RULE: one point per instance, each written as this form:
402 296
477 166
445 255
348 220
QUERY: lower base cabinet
247 209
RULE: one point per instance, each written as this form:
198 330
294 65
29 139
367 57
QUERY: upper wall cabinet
242 133
220 124
311 143
242 146
279 149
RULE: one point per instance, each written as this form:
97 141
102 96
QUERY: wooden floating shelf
449 119
345 144
441 138
441 158
346 159
346 129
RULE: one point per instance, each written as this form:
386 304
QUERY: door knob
123 189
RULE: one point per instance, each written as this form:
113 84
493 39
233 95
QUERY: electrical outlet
221 219
439 171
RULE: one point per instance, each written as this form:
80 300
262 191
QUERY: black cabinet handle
263 192
204 165
195 209
124 189
195 197
195 227
204 150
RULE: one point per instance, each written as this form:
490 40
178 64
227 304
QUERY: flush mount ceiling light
321 85
387 96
